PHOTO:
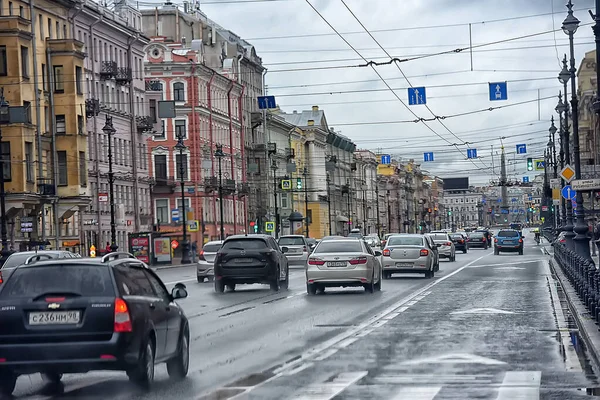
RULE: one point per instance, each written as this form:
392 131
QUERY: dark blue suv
508 240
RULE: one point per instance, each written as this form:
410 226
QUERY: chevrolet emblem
53 306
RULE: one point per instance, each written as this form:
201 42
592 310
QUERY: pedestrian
107 248
194 251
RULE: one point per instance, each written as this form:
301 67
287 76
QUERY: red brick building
208 106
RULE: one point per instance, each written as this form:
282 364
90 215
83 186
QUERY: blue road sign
428 156
499 200
539 164
175 215
190 190
521 149
504 211
386 159
525 179
471 153
530 197
521 211
417 96
265 102
498 91
514 199
568 193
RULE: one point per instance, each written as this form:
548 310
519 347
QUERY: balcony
228 186
154 86
92 108
144 124
164 185
108 70
211 184
46 189
243 189
123 76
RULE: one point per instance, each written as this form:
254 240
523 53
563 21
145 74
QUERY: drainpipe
243 152
231 152
96 201
54 155
134 142
211 140
38 112
71 19
195 153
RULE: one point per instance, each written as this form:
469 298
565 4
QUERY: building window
50 28
80 125
25 62
57 30
180 131
3 65
153 110
78 80
41 24
27 110
59 79
160 167
284 201
64 31
22 11
61 125
187 206
162 134
10 8
178 91
181 161
44 87
62 168
5 159
82 169
162 211
29 161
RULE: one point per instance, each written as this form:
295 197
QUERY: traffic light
254 226
449 213
530 164
299 183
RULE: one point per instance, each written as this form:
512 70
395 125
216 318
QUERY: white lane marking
456 358
433 380
181 281
393 315
417 393
504 264
299 368
483 311
358 331
380 323
509 268
571 358
326 354
345 343
520 385
329 390
402 309
412 303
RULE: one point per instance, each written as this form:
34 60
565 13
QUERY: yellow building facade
45 143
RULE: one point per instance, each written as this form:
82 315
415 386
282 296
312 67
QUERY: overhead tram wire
382 79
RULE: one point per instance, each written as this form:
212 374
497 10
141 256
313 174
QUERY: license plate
243 260
508 242
54 317
336 264
404 265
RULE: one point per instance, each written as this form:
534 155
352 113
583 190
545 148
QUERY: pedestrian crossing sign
286 184
270 226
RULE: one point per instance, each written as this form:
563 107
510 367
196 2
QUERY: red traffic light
252 223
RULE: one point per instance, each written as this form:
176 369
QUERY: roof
302 118
254 236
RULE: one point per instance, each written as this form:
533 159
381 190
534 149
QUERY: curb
586 324
172 266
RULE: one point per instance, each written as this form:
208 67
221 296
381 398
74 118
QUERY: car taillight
358 260
122 317
448 243
520 240
201 256
483 240
461 241
424 252
495 240
383 243
386 252
315 261
1 280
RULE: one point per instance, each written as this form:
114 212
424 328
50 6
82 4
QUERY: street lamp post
564 76
110 130
305 173
552 158
185 244
4 119
219 154
581 239
560 109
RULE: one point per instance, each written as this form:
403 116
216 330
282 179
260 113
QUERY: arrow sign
266 102
428 156
417 96
521 149
471 153
568 192
498 91
525 179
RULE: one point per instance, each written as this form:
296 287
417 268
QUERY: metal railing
583 275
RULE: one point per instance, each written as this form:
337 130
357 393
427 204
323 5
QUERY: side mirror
285 249
438 245
378 254
179 292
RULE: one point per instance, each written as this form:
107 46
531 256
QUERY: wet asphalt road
485 327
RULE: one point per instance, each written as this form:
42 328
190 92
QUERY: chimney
311 122
315 108
295 112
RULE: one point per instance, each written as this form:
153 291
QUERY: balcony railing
92 107
154 86
108 70
123 76
144 124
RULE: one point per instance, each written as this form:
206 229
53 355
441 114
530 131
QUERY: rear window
405 241
84 280
456 236
339 246
291 241
244 244
212 248
20 258
508 234
440 236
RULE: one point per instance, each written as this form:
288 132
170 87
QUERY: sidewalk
169 266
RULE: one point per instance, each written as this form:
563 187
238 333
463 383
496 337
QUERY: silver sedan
345 262
408 254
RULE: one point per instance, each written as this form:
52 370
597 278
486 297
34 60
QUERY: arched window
178 91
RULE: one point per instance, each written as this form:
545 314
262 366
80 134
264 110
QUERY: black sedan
478 239
80 315
460 242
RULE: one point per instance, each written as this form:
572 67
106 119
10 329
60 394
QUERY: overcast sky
410 28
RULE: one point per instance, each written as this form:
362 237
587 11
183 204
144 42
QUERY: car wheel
143 374
311 288
51 377
378 285
464 251
428 275
231 286
275 286
370 287
200 279
210 278
178 366
386 275
286 282
8 381
219 286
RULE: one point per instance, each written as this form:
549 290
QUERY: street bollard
591 300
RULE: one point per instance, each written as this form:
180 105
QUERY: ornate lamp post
4 120
219 154
110 130
185 244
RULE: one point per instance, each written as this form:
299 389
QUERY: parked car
205 269
444 245
78 315
386 237
409 253
345 262
508 240
478 239
298 249
251 259
460 242
373 238
19 258
355 233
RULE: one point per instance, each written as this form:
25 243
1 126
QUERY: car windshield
19 258
440 236
291 241
77 280
405 241
508 234
244 244
212 247
339 246
476 235
355 234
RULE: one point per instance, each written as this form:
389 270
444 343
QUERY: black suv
251 259
78 315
